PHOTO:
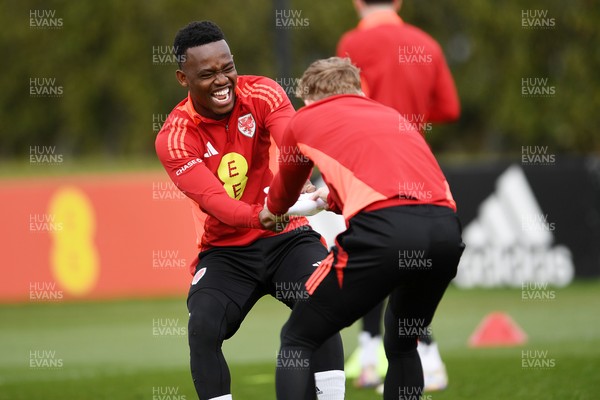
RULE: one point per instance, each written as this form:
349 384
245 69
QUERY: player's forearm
202 187
286 188
281 197
229 211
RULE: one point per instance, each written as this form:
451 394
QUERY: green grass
108 350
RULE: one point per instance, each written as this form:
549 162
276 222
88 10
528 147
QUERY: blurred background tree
102 57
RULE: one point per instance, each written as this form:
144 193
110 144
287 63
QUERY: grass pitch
137 349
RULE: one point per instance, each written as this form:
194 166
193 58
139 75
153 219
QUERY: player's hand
308 187
271 222
321 193
266 219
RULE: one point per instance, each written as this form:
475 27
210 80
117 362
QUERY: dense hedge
93 77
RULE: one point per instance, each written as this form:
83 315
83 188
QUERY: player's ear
182 78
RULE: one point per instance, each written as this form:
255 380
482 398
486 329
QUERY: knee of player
209 318
289 338
284 336
396 345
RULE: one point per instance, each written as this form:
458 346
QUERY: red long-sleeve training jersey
365 156
223 165
402 67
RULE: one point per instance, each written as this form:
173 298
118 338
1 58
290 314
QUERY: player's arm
188 172
276 122
445 105
290 179
287 185
276 108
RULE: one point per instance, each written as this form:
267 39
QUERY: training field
137 349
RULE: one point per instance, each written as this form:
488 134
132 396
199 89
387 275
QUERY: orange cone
497 330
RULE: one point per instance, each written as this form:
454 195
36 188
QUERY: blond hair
328 77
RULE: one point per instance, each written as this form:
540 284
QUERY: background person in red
403 235
214 146
402 67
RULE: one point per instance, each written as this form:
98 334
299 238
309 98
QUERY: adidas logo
510 242
210 150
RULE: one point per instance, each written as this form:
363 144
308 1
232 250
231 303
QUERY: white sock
331 385
224 397
369 349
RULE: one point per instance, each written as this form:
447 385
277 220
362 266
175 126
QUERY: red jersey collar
191 111
332 97
382 17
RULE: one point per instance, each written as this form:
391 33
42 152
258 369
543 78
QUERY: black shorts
410 252
277 265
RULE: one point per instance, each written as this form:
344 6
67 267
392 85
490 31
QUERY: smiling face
209 73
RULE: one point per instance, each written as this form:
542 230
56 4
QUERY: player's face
210 75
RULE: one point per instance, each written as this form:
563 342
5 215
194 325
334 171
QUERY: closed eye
208 74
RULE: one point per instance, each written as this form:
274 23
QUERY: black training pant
408 252
234 279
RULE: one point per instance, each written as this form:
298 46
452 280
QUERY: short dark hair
195 34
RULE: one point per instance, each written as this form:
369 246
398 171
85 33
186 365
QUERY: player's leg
371 322
369 342
429 256
408 315
295 357
294 257
328 310
217 303
343 288
404 376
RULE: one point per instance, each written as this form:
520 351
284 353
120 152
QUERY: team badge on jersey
198 275
247 125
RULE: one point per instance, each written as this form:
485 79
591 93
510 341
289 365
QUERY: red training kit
364 158
402 67
223 165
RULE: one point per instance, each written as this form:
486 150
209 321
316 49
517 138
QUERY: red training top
363 155
223 166
402 67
